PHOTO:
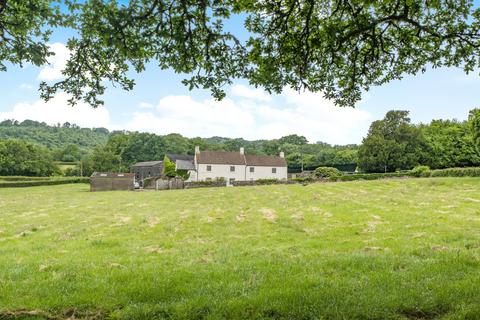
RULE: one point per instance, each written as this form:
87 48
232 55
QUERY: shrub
370 176
304 179
148 182
266 181
420 171
327 172
37 182
456 172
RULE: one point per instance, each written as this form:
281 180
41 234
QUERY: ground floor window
274 170
231 180
252 169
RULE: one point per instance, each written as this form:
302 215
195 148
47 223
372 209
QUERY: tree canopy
337 47
392 143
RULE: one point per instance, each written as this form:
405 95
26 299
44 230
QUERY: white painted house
237 166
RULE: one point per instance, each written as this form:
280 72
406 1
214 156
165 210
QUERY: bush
420 171
456 172
22 178
304 179
327 172
267 181
38 182
370 176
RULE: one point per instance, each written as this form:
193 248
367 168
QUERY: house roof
220 157
266 161
223 157
112 175
148 164
185 165
175 157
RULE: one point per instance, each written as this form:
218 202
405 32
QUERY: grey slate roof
175 157
148 164
185 165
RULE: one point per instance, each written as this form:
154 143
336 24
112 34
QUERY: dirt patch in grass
69 314
152 221
240 217
371 226
413 313
269 214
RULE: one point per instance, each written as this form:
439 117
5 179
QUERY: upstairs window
274 170
252 169
232 168
209 168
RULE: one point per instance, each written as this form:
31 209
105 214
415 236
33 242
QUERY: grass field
389 249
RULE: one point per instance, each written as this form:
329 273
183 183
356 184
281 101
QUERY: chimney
282 154
242 150
197 149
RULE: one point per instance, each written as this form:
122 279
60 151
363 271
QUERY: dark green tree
105 160
450 144
18 158
392 143
293 139
334 46
474 120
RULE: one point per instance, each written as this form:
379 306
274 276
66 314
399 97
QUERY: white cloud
145 105
250 93
57 110
306 113
57 63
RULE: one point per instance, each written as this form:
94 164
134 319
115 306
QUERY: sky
161 104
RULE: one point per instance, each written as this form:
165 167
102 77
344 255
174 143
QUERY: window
252 169
274 170
232 168
209 168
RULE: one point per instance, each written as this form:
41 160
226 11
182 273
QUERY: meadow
385 249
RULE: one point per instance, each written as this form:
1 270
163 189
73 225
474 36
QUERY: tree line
392 144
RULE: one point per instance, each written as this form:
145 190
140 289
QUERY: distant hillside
53 137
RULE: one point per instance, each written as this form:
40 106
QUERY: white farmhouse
237 166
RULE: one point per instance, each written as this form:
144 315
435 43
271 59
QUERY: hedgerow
37 182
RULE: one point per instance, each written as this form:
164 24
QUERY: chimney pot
242 150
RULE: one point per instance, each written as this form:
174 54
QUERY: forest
35 149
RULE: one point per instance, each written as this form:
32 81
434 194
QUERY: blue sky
161 104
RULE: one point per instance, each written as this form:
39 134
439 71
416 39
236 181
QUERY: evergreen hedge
38 182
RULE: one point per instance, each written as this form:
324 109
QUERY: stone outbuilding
148 169
109 181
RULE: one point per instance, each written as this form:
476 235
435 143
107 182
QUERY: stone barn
108 181
148 169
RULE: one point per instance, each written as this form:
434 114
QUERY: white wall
266 173
220 171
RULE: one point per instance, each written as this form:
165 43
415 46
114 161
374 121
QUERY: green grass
387 249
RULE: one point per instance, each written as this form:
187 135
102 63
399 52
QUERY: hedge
51 182
23 178
204 184
370 176
456 172
451 172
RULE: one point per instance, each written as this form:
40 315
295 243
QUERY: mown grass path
390 249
